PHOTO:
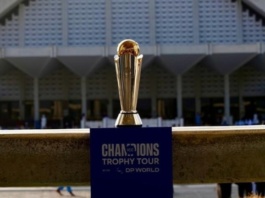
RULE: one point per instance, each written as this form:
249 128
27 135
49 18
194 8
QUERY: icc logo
130 149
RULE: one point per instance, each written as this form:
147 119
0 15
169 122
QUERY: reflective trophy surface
128 65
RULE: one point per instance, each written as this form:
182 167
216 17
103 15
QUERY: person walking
244 189
69 189
260 188
43 122
224 190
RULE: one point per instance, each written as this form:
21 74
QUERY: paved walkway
181 191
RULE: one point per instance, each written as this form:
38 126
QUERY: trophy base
128 120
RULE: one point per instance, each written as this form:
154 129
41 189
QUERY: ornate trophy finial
128 64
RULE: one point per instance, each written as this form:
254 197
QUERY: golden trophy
128 64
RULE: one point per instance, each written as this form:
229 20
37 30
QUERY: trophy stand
127 161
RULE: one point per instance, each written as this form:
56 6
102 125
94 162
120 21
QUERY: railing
152 122
200 155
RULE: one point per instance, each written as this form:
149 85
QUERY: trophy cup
128 64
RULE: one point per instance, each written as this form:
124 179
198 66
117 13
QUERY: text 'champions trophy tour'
131 154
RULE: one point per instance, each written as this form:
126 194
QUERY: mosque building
200 56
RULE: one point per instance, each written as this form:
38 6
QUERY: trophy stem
127 78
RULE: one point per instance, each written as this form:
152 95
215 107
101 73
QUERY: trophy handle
137 72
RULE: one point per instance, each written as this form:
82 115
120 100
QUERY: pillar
97 108
197 91
227 98
110 107
110 79
36 100
153 107
83 96
89 108
154 112
21 99
179 96
241 99
21 109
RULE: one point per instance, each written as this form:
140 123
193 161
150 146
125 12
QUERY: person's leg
59 190
69 189
248 188
218 189
224 190
254 189
240 190
260 187
244 189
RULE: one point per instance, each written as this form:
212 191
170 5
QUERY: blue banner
131 163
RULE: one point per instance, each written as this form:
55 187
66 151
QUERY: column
110 107
21 99
97 108
227 98
111 79
36 100
66 92
197 91
179 96
154 113
196 38
241 91
153 105
83 96
89 108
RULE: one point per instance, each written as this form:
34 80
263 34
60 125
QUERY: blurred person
206 124
26 125
244 189
69 189
43 122
83 121
224 122
65 123
241 122
260 189
250 122
198 119
255 119
224 190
